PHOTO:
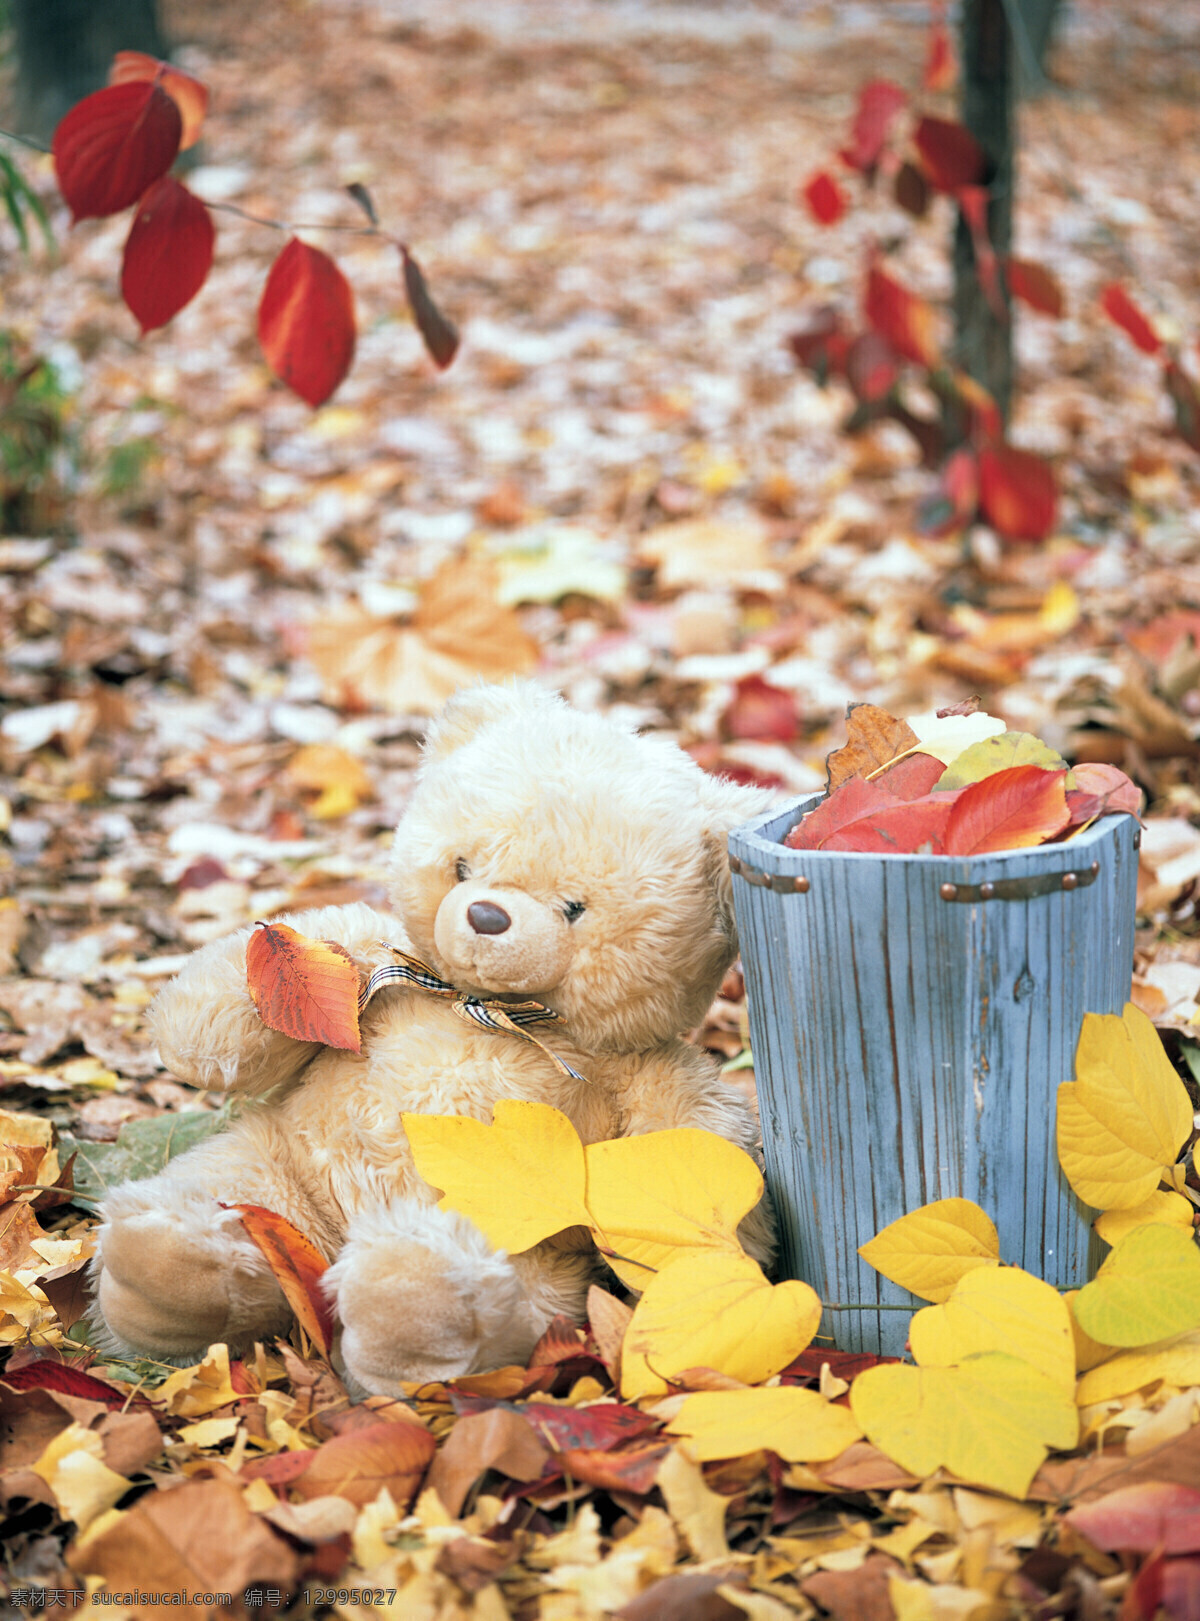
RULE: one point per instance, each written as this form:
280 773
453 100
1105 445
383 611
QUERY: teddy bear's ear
727 805
473 708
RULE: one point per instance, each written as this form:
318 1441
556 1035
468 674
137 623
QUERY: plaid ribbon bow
491 1015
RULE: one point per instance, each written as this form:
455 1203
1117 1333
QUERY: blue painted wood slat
908 1048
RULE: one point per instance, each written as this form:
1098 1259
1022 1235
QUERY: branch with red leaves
114 150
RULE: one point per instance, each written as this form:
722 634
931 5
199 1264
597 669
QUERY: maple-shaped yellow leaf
1123 1120
930 1249
991 1420
998 1309
1169 1208
1147 1290
799 1425
520 1179
652 1196
1175 1361
192 1392
715 1309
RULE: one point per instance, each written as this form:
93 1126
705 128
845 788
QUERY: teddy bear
545 854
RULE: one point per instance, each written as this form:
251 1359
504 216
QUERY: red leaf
66 1380
911 778
1186 400
1116 791
1017 493
281 1469
298 1267
634 1470
906 321
941 70
973 200
911 190
898 829
168 253
1181 1588
1155 1514
438 331
1084 809
986 423
1160 639
878 104
1034 285
855 799
823 344
825 198
596 1428
307 989
762 712
188 94
1119 307
950 155
958 499
842 1364
306 322
1010 810
872 367
114 144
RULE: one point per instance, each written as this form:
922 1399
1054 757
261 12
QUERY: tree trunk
64 48
983 337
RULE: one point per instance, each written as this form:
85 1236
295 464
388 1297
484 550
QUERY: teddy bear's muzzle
501 940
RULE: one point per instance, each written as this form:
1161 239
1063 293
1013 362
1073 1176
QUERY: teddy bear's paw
172 1282
423 1297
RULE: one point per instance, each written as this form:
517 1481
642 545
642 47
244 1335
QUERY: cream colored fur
528 806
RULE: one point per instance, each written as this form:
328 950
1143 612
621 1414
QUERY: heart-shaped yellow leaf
1169 1209
715 1309
799 1425
930 1249
990 1420
998 753
1174 1362
1124 1118
998 1309
653 1196
1147 1290
520 1179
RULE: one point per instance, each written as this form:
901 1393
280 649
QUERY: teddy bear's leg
174 1272
422 1295
206 1026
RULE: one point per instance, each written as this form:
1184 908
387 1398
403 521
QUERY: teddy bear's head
552 854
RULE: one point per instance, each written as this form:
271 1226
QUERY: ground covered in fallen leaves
226 619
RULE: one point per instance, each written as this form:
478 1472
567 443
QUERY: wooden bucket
911 1018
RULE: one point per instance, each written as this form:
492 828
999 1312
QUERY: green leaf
994 754
142 1148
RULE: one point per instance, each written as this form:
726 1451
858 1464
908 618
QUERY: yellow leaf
998 753
1174 1362
715 1310
209 1432
930 1249
1123 1119
548 561
74 1469
1089 1353
1001 1309
192 1392
520 1180
947 736
1168 1209
698 1512
799 1425
340 779
31 1129
990 1420
653 1195
1147 1290
707 551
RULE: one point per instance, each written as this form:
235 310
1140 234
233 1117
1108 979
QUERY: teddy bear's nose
487 918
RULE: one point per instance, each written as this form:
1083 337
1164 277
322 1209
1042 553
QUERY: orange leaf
307 989
1017 493
941 70
112 145
357 1465
168 253
905 320
1010 810
825 198
878 103
1119 307
950 155
297 1265
306 322
1034 285
188 94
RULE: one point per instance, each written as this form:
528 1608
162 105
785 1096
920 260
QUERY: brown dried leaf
360 1464
873 737
498 1439
608 1319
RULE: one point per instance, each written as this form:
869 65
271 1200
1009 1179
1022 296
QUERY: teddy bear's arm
206 1026
678 1085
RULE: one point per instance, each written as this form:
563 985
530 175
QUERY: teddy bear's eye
461 870
574 910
